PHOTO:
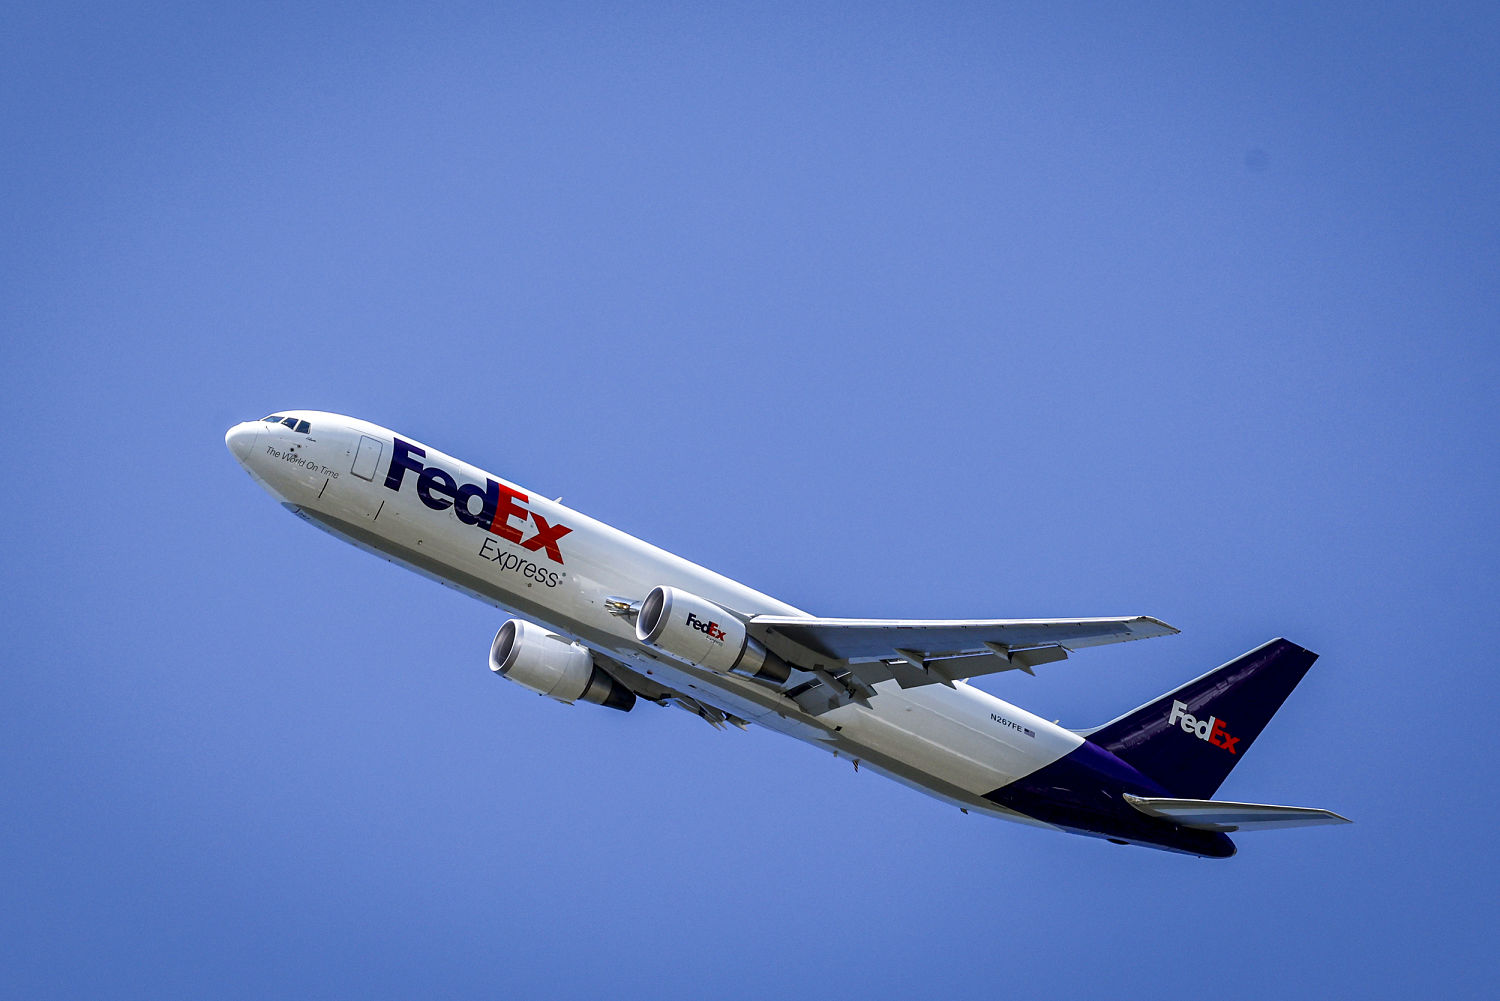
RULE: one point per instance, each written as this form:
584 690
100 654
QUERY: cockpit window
301 427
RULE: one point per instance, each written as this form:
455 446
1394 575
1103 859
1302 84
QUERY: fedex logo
1212 729
714 630
498 506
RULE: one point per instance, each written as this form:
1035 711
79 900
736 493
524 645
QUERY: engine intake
700 632
549 665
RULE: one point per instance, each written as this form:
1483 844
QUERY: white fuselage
558 568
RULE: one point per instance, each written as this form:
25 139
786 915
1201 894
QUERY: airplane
599 616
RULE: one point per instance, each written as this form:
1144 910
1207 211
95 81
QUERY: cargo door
366 458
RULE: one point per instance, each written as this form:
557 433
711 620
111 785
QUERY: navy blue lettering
435 481
489 499
401 461
712 628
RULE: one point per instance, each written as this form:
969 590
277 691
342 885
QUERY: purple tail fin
1188 740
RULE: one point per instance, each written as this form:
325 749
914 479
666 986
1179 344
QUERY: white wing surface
937 651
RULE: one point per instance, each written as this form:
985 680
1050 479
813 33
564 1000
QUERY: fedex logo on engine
1212 729
714 630
499 506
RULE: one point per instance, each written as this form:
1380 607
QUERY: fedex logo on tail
1212 729
499 506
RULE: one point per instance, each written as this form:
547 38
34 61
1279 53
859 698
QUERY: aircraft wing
1213 815
864 652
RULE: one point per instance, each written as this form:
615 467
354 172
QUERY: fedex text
1212 729
501 510
713 629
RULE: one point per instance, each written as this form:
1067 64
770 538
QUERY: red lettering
546 537
506 510
1220 736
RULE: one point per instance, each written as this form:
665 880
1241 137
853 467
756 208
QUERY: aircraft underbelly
962 736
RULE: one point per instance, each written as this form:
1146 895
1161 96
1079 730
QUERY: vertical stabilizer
1190 739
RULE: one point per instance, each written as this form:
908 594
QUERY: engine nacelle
700 632
549 665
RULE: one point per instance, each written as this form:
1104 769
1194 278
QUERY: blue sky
981 310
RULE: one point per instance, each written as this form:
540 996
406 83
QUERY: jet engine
549 665
700 632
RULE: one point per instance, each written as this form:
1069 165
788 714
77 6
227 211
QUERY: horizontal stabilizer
1213 815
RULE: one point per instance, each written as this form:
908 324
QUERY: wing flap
1214 815
878 639
939 651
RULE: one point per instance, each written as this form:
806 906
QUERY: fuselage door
366 458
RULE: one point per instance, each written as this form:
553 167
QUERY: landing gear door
366 458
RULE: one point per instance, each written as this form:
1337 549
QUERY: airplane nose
240 439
